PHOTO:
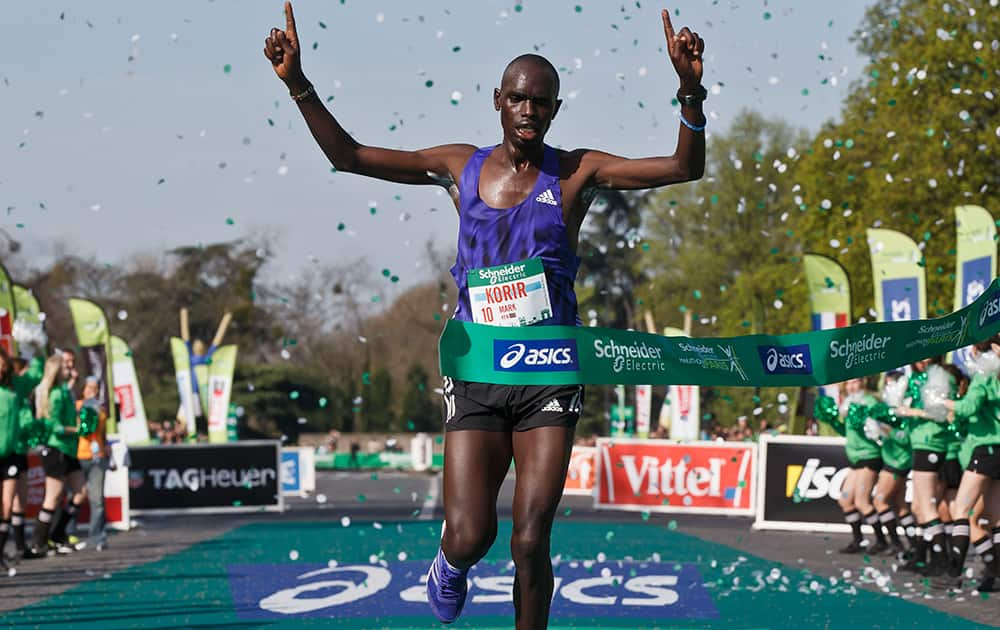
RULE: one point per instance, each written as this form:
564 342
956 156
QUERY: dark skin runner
476 462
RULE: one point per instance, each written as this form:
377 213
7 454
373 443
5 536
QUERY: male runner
518 202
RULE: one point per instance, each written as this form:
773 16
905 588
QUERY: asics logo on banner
542 355
991 310
786 359
547 197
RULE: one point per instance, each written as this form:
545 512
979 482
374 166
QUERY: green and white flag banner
568 355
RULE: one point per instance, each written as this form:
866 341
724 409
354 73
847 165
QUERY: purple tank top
534 228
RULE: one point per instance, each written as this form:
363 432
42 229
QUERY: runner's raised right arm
438 165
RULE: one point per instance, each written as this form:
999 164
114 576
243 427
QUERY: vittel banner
662 476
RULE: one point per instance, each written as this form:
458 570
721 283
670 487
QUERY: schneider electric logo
637 356
786 359
950 331
990 312
855 352
535 355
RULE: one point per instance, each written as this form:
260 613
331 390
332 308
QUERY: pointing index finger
290 21
668 27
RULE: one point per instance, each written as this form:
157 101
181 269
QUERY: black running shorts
486 407
951 474
874 464
58 464
928 461
986 460
13 465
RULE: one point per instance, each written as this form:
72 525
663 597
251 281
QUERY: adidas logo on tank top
547 197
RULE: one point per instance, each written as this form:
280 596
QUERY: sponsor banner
29 329
685 414
94 337
220 388
643 409
829 292
8 313
586 590
799 481
975 261
236 476
298 471
185 391
582 471
662 476
898 277
132 425
607 356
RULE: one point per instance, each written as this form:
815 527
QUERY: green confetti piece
322 402
366 378
340 227
805 91
227 68
362 498
229 221
645 515
455 49
315 45
294 394
518 8
672 525
428 83
767 15
322 25
396 490
578 9
374 476
567 512
386 273
270 122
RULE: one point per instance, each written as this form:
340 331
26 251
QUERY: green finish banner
566 355
897 276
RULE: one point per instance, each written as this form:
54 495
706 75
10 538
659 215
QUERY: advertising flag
975 260
29 330
682 405
898 277
8 312
219 390
94 337
182 372
829 292
131 412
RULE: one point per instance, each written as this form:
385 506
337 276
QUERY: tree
916 138
419 412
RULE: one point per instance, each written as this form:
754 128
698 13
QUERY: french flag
826 321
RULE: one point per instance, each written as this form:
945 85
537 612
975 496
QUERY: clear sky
132 127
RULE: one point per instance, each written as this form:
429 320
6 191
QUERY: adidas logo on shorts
553 405
547 197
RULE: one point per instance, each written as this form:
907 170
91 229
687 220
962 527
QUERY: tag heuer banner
94 338
898 278
220 388
8 312
564 355
132 413
975 261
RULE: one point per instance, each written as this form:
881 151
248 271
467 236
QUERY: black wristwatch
691 100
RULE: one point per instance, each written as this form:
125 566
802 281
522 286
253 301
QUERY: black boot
880 543
17 526
40 536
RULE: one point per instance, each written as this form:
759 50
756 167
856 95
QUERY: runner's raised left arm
686 50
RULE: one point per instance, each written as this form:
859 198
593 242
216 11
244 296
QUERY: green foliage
377 407
916 138
419 411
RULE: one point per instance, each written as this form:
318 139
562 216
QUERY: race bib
514 294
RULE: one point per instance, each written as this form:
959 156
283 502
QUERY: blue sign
535 355
291 478
786 359
976 276
643 590
900 300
